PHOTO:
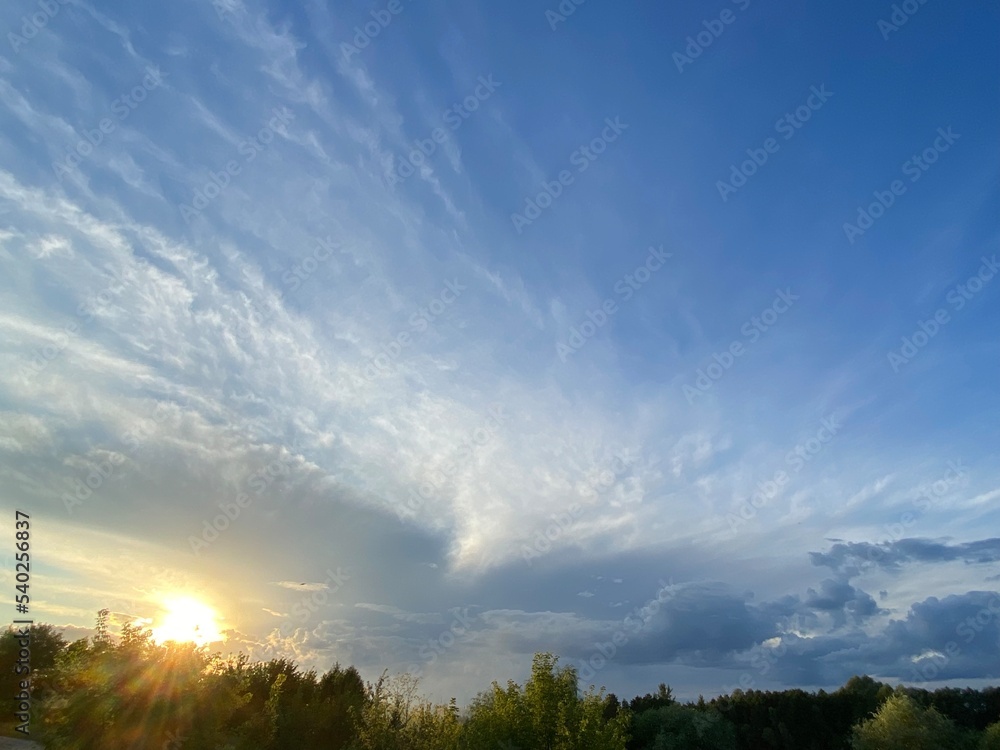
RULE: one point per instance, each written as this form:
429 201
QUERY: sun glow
188 620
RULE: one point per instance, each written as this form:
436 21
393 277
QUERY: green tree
902 723
386 712
134 694
548 713
432 728
46 644
394 717
674 727
991 738
664 696
340 697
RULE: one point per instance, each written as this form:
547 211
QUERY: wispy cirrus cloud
191 355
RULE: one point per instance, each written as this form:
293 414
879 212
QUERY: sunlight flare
188 620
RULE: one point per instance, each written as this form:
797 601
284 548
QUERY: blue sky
762 443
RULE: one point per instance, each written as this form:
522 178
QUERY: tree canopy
125 690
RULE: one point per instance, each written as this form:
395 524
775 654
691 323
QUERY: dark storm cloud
956 637
691 623
842 600
852 557
701 623
708 624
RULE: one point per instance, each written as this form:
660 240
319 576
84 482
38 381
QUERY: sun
187 620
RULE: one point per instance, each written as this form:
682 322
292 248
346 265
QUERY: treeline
130 692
